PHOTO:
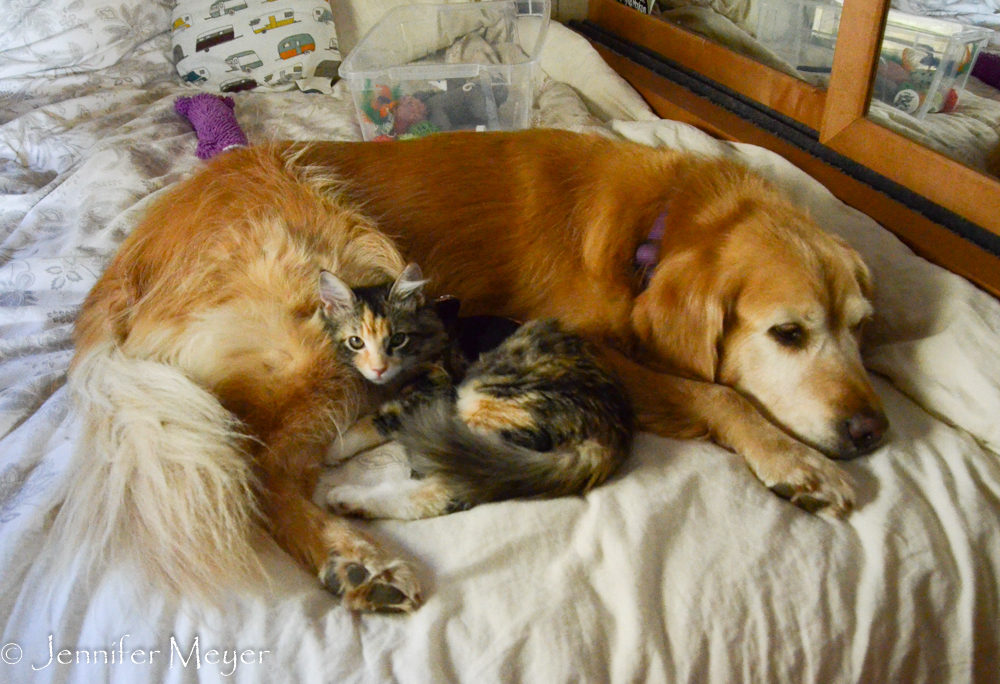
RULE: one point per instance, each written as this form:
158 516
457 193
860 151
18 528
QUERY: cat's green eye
398 340
355 343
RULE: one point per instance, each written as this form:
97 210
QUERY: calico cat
535 416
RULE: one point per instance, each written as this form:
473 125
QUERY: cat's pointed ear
336 296
409 283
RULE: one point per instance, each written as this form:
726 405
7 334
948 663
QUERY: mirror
796 37
938 80
938 76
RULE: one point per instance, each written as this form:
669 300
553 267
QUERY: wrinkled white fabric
681 569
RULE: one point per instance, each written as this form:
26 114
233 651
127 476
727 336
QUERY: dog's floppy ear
860 269
680 317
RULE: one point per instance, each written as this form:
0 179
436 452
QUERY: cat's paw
399 500
370 583
350 500
361 436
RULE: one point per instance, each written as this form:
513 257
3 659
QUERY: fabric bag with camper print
233 45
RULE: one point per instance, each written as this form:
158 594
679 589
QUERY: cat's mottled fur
536 416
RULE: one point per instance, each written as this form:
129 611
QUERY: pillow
46 37
356 17
233 45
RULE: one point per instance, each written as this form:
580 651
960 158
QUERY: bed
682 568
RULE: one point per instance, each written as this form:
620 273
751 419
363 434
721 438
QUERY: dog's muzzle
862 433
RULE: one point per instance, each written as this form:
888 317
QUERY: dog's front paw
369 583
809 480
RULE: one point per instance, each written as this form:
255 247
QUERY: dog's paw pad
784 490
371 585
356 574
810 503
815 485
330 579
388 597
833 499
393 590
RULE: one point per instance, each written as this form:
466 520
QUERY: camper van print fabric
234 45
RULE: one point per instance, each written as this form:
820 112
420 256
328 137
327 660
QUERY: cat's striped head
383 330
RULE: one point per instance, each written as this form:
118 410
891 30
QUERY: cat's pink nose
378 371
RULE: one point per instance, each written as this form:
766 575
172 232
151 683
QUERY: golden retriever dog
725 309
209 388
209 392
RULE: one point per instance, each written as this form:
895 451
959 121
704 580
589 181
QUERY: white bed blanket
681 569
985 13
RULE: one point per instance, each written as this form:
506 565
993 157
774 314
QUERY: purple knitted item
987 68
214 122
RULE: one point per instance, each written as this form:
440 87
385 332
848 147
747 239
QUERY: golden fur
216 291
546 223
219 286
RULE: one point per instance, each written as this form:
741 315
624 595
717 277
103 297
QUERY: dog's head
750 293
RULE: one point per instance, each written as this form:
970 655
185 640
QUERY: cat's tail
480 468
158 474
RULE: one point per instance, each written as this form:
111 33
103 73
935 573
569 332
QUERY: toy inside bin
429 68
924 62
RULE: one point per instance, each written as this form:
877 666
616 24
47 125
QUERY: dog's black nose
866 430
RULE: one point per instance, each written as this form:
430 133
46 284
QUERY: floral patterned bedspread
681 569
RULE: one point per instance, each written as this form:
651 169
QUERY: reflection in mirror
937 81
796 37
938 78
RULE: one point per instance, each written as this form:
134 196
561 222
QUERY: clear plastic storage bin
429 68
924 63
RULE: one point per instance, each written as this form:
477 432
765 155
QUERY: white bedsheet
985 13
681 569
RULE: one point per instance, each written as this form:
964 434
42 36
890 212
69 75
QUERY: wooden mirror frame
781 92
837 117
845 127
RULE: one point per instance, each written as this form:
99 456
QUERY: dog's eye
355 343
398 340
789 334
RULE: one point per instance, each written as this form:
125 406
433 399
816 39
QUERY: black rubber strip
789 130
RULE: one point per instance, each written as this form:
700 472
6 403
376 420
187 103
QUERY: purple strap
649 249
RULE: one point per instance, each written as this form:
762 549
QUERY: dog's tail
480 468
159 472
